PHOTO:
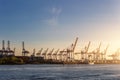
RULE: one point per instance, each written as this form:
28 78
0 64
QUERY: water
60 72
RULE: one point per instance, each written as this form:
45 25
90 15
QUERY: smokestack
3 45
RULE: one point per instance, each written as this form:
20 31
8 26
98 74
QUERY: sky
56 23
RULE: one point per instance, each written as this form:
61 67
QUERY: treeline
11 60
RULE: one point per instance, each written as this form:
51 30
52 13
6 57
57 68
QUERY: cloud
56 11
52 22
54 16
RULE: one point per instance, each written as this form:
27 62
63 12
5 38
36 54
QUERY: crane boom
40 50
75 44
46 50
106 49
57 51
88 47
98 49
52 51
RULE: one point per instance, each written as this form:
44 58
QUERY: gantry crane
24 52
98 54
9 51
2 51
50 54
69 52
84 53
33 55
86 50
33 52
116 55
61 54
39 52
3 47
55 55
45 53
74 46
104 53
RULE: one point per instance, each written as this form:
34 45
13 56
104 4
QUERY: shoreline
21 60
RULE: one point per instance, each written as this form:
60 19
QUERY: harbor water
60 72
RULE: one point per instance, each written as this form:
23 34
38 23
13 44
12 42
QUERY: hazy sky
56 23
